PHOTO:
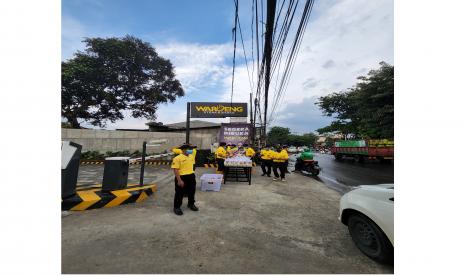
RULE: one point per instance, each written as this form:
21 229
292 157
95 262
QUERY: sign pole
142 164
188 122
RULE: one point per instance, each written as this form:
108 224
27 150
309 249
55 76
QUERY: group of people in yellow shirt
276 159
224 151
270 158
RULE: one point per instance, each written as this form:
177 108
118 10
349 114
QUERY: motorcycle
307 166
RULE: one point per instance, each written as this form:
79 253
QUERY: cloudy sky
343 39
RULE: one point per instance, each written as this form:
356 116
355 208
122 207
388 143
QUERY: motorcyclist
304 156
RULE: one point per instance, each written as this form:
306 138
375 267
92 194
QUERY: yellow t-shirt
266 154
282 156
185 164
220 153
249 152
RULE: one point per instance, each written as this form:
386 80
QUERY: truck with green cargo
361 150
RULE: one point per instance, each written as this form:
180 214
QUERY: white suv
368 211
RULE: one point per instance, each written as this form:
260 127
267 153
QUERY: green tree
282 135
113 75
309 139
278 135
367 110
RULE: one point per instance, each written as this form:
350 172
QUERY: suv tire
370 239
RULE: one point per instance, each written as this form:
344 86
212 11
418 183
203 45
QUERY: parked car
368 212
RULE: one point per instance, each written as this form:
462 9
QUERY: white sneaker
283 180
274 179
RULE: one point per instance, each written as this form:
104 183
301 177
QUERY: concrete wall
112 140
213 132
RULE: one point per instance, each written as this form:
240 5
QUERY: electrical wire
291 58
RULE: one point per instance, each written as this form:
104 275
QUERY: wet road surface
343 175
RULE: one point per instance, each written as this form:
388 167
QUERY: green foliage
92 155
113 75
117 153
278 135
282 135
66 125
365 111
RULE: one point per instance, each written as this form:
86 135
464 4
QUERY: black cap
186 146
246 145
222 144
284 146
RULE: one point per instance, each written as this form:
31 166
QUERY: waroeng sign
218 110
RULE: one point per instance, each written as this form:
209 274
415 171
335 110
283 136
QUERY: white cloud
198 66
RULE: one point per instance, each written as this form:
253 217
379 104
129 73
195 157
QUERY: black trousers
189 189
220 163
282 169
266 166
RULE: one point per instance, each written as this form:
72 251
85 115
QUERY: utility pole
270 14
252 140
255 119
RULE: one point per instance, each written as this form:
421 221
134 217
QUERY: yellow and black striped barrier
215 165
91 162
91 197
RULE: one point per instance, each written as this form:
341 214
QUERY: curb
91 197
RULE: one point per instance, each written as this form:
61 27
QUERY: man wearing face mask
184 182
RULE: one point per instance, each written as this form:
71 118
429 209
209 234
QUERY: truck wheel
370 239
338 157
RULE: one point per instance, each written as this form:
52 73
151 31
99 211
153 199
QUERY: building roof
193 124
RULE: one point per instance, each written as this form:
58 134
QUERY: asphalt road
343 175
